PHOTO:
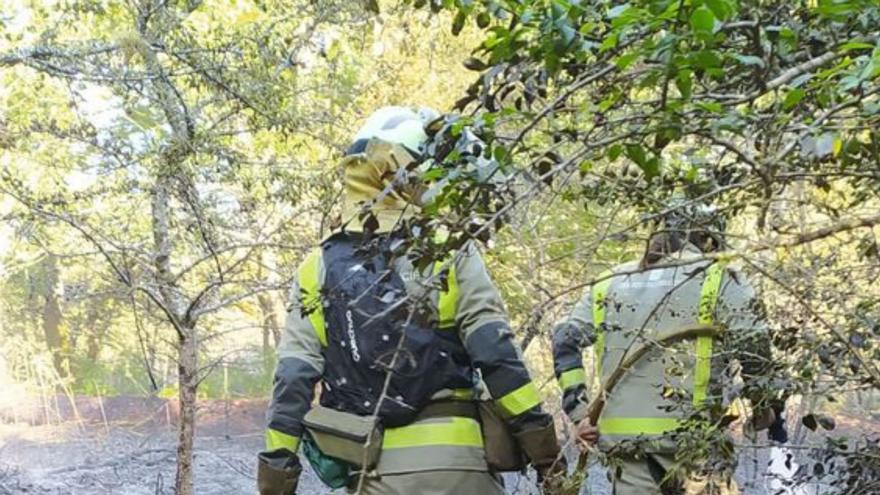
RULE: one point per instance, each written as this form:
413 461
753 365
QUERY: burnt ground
133 452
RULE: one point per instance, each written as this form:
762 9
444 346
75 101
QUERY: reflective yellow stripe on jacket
447 300
599 291
708 302
310 286
572 378
520 400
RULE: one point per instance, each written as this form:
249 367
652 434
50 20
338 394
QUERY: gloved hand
540 445
587 434
776 431
278 472
542 448
761 419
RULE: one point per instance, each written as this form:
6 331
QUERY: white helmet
400 125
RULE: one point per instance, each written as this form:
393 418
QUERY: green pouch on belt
354 439
332 472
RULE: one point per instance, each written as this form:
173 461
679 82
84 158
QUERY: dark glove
542 448
278 472
761 419
776 431
540 445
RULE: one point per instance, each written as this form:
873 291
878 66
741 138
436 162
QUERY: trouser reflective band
636 426
572 378
520 400
447 431
277 440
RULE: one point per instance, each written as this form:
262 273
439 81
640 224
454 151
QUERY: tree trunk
52 315
187 369
268 272
270 324
97 329
188 344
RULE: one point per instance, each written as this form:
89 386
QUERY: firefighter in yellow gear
674 286
345 332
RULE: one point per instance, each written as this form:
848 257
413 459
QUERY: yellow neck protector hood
375 181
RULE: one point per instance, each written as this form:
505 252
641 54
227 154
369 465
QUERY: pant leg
716 483
434 483
632 476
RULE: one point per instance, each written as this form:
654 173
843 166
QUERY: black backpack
374 332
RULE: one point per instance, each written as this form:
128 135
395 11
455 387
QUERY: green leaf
614 152
711 106
458 22
141 117
483 20
568 33
609 42
721 8
685 83
624 61
855 45
649 165
837 9
792 98
705 59
333 50
473 63
750 60
703 20
433 174
587 27
849 82
609 101
730 122
636 153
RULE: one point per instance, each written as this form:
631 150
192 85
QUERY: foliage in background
184 155
597 112
767 110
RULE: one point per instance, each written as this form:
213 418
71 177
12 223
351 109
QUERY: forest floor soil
128 445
